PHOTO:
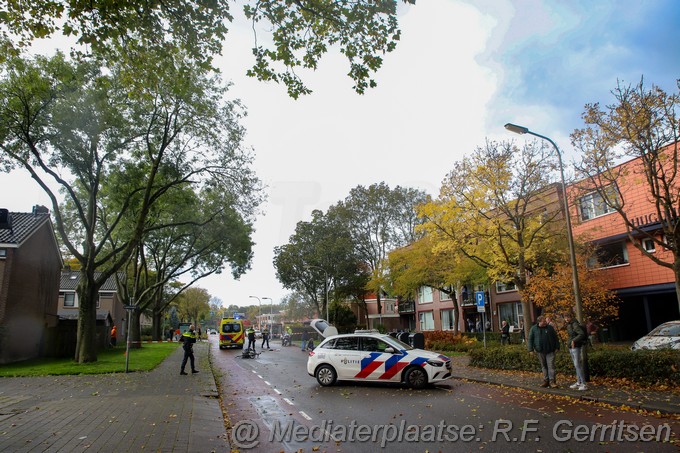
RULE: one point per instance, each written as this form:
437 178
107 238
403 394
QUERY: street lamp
259 312
271 311
326 285
572 253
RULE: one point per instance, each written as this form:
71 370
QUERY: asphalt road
274 405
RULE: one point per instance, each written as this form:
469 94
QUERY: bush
646 367
447 341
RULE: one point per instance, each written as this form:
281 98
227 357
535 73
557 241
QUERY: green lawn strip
112 360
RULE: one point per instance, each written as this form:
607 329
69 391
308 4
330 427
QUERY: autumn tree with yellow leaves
552 291
498 208
428 262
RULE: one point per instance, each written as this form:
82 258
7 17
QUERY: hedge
646 367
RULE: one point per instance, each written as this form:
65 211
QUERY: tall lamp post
271 313
259 311
570 237
326 284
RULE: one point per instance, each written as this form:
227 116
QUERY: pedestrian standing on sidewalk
544 342
577 337
188 338
505 332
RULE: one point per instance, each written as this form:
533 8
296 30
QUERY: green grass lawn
109 361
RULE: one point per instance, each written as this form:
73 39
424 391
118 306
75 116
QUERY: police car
372 356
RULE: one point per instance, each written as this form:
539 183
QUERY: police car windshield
398 343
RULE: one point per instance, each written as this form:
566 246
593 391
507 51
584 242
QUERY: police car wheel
325 375
416 378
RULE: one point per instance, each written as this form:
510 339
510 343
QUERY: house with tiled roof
110 309
30 268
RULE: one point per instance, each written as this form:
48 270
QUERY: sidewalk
158 411
653 401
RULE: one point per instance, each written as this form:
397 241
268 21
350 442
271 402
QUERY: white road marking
289 401
276 390
305 416
267 383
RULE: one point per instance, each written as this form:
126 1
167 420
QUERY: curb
588 398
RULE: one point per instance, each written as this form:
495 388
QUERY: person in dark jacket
505 332
265 338
544 342
303 342
251 338
576 339
188 338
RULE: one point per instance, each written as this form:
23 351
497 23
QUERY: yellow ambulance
232 333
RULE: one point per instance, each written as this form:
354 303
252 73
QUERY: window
648 245
593 205
231 327
448 319
347 344
505 286
512 313
371 344
426 320
425 294
445 296
3 253
70 300
608 255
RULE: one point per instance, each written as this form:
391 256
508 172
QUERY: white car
371 356
665 336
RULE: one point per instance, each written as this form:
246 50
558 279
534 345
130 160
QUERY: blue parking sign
479 297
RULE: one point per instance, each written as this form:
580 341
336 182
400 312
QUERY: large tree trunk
135 333
456 308
86 344
157 323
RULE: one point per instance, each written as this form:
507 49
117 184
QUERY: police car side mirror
389 350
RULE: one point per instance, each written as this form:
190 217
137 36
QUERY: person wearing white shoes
577 339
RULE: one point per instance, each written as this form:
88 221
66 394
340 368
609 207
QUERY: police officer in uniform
188 338
251 338
265 338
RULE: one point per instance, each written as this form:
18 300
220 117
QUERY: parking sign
479 297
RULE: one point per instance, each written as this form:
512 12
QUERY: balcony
406 307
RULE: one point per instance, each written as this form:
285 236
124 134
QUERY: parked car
665 336
212 332
372 356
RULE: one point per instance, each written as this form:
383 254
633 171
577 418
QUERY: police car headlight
437 363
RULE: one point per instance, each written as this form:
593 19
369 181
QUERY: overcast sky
460 72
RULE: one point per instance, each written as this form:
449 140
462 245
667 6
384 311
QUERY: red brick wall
32 292
640 270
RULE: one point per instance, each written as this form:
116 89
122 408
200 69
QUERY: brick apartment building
647 290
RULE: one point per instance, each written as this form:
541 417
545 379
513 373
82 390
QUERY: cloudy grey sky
461 71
